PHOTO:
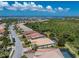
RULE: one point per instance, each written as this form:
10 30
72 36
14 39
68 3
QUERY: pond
66 53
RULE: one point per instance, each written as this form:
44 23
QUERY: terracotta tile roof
24 28
42 41
1 29
48 53
28 32
35 35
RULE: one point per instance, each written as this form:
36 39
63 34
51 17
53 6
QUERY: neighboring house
2 30
23 28
35 35
43 42
48 53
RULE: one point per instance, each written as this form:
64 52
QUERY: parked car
13 39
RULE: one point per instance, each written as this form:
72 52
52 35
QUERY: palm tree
34 47
61 42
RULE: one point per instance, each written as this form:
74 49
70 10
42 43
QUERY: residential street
18 45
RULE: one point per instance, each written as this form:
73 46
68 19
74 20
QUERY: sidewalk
11 53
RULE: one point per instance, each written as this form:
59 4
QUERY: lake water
66 53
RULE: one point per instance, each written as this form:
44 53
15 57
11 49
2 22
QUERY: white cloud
49 8
3 4
40 6
33 6
12 8
32 3
30 6
17 5
25 6
60 9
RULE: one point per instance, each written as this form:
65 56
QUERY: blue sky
39 8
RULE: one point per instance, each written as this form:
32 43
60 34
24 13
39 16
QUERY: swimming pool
66 53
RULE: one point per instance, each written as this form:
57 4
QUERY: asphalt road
18 45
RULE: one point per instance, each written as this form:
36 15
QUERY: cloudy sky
39 8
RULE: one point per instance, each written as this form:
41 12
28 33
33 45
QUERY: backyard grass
72 50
